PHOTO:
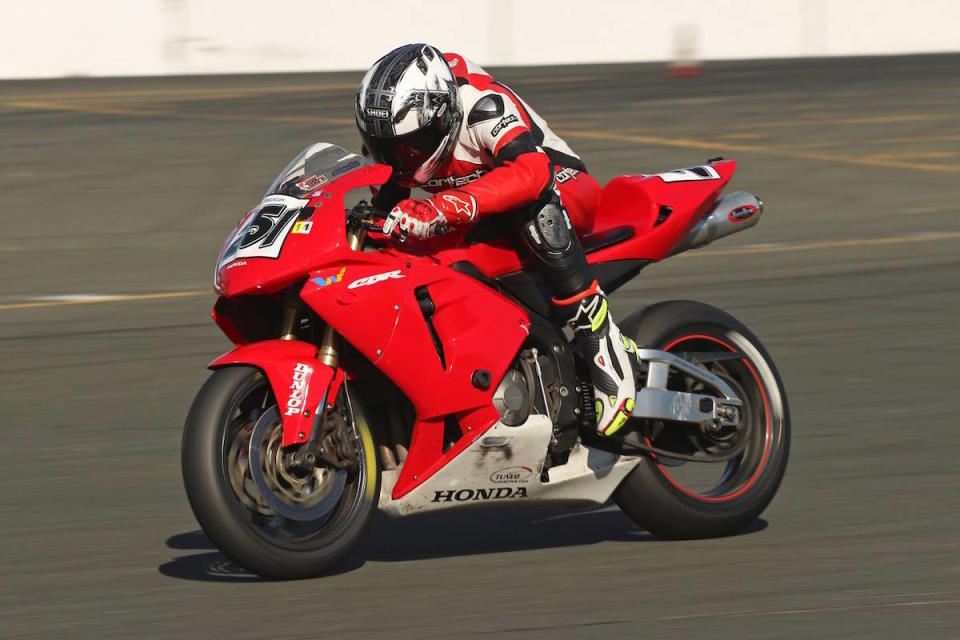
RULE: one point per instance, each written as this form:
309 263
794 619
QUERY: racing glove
424 218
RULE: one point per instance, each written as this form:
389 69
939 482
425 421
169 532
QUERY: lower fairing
505 466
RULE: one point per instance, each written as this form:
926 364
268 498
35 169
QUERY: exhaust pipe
731 213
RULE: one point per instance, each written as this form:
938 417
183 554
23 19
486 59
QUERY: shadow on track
438 535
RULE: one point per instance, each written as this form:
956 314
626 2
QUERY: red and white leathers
507 159
506 155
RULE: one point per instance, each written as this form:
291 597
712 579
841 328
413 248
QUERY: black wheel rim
248 403
720 482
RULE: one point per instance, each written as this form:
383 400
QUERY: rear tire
649 495
243 534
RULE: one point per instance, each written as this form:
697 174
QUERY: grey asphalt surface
852 280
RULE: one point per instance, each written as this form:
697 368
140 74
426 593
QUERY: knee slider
554 226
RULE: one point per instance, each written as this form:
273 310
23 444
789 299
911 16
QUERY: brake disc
303 497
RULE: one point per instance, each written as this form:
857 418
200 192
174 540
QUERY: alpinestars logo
298 388
467 210
589 309
505 122
374 279
469 495
377 112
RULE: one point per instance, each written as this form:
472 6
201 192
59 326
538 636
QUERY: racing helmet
409 112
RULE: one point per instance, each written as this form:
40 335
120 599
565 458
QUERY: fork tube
355 237
328 347
291 310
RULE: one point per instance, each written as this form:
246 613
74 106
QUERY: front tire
651 495
244 527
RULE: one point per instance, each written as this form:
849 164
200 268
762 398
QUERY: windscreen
315 166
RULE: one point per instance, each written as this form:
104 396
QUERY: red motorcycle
370 372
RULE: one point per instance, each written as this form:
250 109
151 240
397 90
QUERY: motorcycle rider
445 125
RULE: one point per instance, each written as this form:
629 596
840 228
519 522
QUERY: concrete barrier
156 37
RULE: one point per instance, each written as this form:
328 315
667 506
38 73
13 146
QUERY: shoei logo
377 112
298 388
380 277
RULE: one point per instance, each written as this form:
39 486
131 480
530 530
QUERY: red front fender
300 382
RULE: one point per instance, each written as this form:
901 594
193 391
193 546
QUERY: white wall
50 38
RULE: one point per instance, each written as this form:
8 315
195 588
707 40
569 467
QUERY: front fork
292 308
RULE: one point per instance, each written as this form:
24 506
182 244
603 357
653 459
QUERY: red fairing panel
636 201
298 380
301 252
374 306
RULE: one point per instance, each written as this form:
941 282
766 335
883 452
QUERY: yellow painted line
40 304
784 152
835 120
241 91
902 155
743 135
166 113
196 93
829 244
900 140
772 248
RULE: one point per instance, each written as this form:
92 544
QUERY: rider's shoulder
464 68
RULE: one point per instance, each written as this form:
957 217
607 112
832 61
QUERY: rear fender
300 382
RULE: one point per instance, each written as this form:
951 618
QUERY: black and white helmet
409 113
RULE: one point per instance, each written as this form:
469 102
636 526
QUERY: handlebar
365 215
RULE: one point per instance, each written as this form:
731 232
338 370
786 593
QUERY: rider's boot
612 357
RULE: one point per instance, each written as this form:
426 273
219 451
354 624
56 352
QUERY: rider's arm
522 170
387 196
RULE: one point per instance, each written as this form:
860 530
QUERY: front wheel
277 520
681 498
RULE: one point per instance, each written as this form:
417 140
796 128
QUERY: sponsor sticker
455 181
312 182
472 495
742 213
323 281
350 166
298 388
505 122
511 474
302 227
374 279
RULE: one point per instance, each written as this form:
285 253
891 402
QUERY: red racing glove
425 218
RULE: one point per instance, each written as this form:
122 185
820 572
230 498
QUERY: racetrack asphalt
852 280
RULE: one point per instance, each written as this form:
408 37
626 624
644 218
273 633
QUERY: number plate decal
263 233
690 174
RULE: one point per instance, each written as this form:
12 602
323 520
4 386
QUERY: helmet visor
408 152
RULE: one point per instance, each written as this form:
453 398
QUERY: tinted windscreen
314 167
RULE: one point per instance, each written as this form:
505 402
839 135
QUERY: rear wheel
693 498
276 519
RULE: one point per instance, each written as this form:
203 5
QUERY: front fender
300 382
